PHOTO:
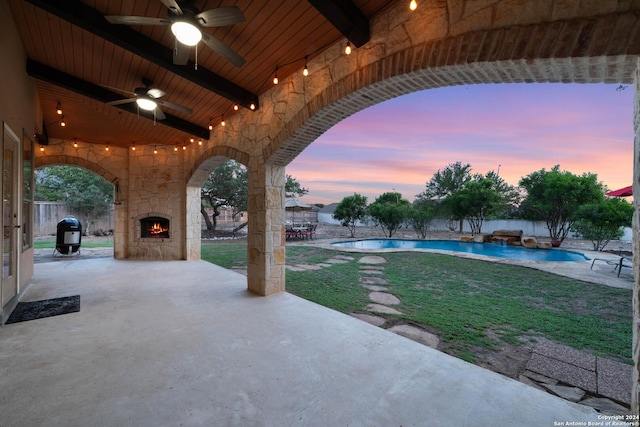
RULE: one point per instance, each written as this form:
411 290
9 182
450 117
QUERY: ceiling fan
187 23
148 98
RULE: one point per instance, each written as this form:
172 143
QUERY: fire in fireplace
154 227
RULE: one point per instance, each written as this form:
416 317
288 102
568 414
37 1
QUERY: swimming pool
488 249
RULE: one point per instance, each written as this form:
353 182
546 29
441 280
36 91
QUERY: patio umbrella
623 192
295 205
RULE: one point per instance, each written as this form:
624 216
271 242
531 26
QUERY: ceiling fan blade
136 20
155 93
220 17
173 6
128 92
180 53
174 106
223 50
159 114
121 101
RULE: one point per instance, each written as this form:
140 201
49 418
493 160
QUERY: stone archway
63 158
108 176
410 52
470 58
204 165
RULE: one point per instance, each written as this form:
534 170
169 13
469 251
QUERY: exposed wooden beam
346 17
56 77
89 19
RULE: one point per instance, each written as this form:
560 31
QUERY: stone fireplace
155 235
155 227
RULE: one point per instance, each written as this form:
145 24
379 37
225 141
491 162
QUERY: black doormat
46 308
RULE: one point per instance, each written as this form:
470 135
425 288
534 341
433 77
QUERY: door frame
15 249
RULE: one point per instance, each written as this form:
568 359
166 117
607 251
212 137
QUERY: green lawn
469 303
51 243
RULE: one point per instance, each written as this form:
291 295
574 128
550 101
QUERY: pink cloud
401 143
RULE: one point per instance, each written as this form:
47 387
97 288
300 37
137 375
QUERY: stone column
265 240
635 394
120 219
193 233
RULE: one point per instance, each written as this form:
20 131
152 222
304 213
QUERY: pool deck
602 273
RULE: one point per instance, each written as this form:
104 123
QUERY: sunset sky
519 128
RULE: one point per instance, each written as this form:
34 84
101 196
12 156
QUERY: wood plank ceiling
276 33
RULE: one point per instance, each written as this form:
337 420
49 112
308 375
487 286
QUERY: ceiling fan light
146 104
186 33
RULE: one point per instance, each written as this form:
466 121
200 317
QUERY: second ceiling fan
186 23
148 99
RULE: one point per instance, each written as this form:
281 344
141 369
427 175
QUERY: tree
81 190
510 196
225 186
421 214
554 196
292 188
389 211
350 211
477 200
447 181
604 221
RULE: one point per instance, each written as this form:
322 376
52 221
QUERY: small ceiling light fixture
42 148
62 122
59 108
210 124
413 5
223 123
186 32
347 48
305 70
175 148
199 142
75 143
133 146
155 150
106 148
275 77
146 103
252 106
191 139
235 107
184 147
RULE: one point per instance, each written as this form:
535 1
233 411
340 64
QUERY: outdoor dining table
297 231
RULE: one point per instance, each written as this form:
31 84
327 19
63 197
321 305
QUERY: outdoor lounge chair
618 264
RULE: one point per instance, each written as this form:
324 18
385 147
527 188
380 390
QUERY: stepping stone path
568 373
371 268
383 309
384 298
417 334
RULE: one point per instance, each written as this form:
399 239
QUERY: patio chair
310 232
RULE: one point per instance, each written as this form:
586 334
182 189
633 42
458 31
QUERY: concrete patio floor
183 343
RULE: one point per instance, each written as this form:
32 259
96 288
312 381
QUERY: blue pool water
488 249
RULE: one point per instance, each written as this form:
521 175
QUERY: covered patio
166 340
141 353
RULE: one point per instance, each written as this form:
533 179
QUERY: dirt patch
510 360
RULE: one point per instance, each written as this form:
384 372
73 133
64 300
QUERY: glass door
10 224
